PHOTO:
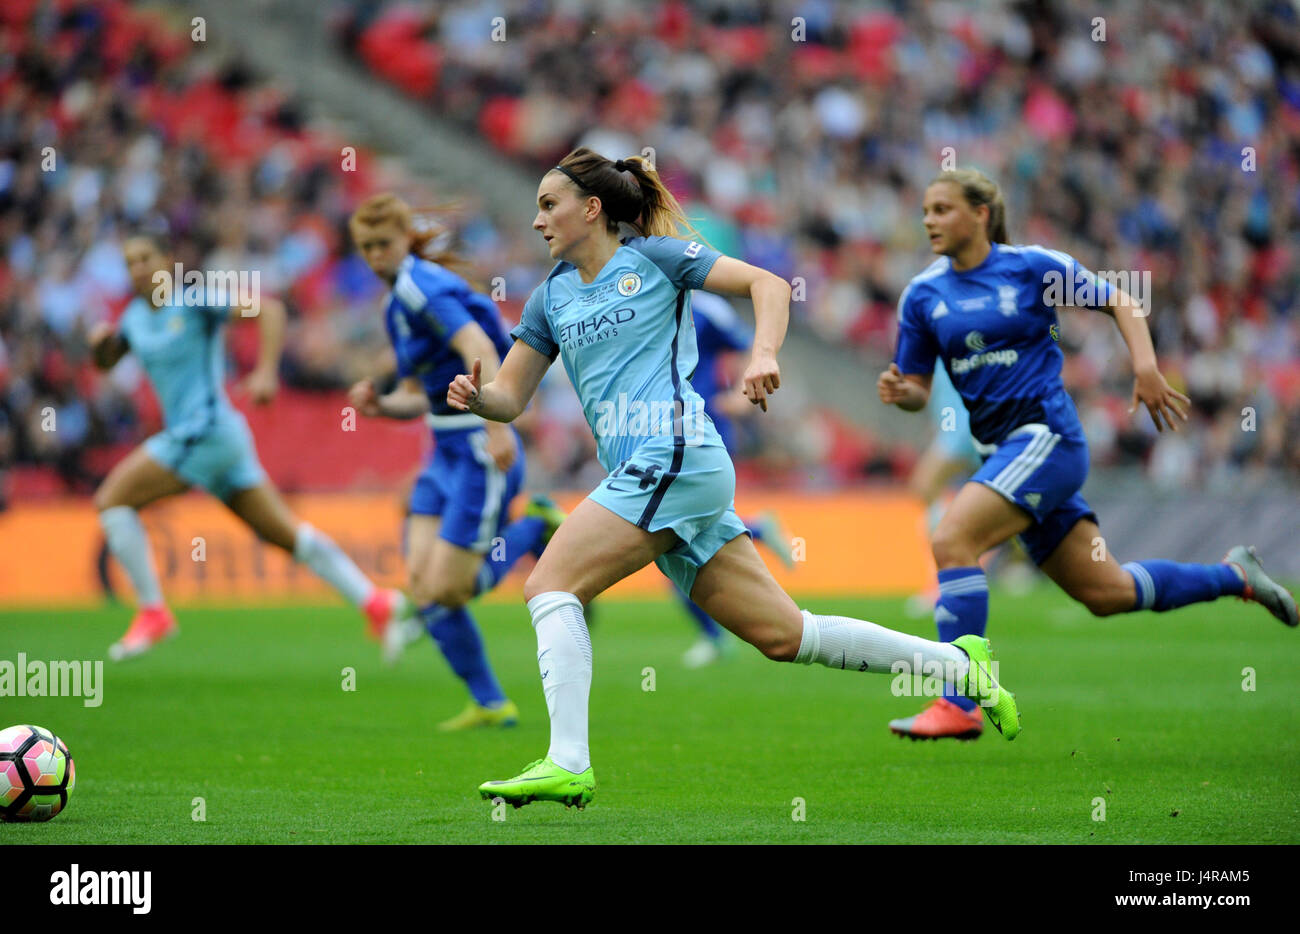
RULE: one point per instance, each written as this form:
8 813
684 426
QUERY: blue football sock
707 624
963 608
1165 585
521 537
458 638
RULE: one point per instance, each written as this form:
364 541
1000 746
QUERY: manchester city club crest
629 284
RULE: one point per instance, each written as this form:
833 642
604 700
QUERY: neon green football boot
543 780
979 685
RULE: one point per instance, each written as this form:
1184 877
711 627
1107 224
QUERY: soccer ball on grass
36 774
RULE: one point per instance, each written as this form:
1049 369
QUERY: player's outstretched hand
100 333
464 388
891 385
762 378
363 398
261 386
1161 399
100 340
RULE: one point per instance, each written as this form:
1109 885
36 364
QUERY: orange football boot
941 719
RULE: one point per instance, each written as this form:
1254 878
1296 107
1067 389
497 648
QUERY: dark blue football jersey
426 307
995 329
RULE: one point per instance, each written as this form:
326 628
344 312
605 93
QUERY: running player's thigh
592 550
136 481
1083 567
450 573
736 589
933 471
266 514
421 535
976 520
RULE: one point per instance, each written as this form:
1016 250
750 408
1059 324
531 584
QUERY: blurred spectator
801 134
1161 137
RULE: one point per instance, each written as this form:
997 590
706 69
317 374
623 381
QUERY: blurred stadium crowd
802 135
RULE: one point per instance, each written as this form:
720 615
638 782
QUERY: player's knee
534 585
420 583
542 580
780 642
104 498
1105 601
780 648
950 549
451 594
1100 607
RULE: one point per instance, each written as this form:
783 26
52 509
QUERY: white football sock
857 645
564 660
318 551
130 546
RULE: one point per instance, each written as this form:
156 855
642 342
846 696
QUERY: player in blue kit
617 309
205 442
988 311
459 540
721 337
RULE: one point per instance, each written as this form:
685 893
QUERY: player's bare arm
1149 385
771 296
909 391
472 343
505 397
407 400
263 380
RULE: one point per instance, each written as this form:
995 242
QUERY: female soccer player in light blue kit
205 442
618 312
459 540
988 311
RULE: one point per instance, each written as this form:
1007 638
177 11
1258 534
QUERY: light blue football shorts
669 484
217 455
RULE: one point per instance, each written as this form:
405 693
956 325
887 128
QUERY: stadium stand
1135 162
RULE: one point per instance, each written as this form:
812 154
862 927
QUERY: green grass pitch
246 709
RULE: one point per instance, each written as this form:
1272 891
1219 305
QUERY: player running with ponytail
618 312
985 309
459 540
205 442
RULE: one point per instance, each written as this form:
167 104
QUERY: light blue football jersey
996 335
182 349
628 342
